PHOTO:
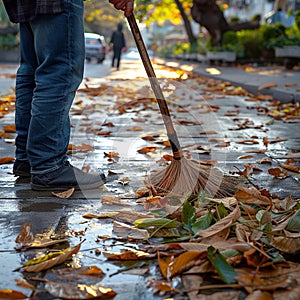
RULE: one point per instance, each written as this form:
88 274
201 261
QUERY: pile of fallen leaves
204 248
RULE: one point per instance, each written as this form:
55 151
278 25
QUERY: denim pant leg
25 84
59 50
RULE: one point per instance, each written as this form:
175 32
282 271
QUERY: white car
95 47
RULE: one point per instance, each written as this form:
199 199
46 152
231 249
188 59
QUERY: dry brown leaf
259 295
126 231
187 122
222 224
223 144
185 261
163 263
290 167
208 132
102 215
24 284
291 84
136 128
83 147
129 216
77 273
128 255
248 142
230 295
252 196
191 283
124 180
115 172
289 294
209 162
267 85
78 291
103 133
164 143
256 151
11 294
142 192
44 243
25 237
252 279
64 194
115 200
278 173
264 160
54 261
286 245
255 258
161 287
108 124
10 128
111 154
150 137
6 160
245 156
146 150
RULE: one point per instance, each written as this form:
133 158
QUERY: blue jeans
51 69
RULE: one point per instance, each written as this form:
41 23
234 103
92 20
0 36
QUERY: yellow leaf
36 266
185 261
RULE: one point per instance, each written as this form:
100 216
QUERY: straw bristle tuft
188 176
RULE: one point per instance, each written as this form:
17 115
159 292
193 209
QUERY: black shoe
66 177
21 168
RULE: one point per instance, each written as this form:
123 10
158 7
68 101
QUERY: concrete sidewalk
220 115
282 84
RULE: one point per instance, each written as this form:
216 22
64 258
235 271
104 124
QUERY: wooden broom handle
162 103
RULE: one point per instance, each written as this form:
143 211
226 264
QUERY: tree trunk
281 5
209 15
187 24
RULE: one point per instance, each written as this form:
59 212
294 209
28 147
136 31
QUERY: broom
182 176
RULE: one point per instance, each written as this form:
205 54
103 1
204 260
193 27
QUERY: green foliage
234 19
9 41
230 42
190 222
277 35
160 11
224 269
294 222
252 43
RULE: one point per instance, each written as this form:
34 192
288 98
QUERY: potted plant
287 46
227 51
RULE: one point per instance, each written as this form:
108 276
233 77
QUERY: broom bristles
188 176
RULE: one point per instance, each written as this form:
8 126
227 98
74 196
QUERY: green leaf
294 222
224 269
156 222
202 223
188 216
222 211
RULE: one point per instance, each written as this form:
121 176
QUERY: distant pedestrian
118 42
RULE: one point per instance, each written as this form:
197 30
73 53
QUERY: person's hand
125 5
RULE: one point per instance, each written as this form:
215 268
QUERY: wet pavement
214 119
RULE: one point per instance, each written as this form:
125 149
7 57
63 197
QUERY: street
114 130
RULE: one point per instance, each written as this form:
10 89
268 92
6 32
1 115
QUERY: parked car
95 47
